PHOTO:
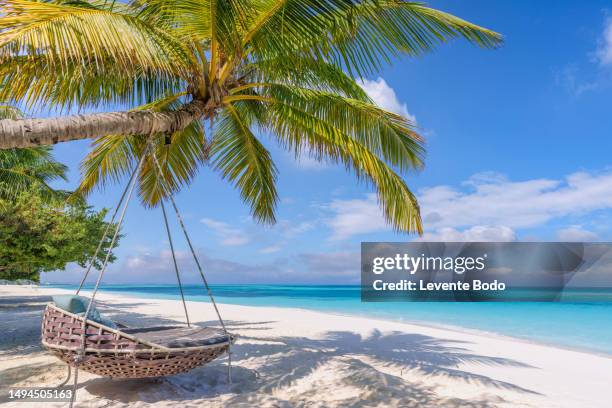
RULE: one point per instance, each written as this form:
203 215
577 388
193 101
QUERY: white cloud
385 97
578 81
228 235
157 268
478 233
162 261
571 79
576 233
141 266
516 204
356 216
484 200
270 238
288 229
270 249
604 50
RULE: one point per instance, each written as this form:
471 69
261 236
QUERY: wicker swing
139 352
130 353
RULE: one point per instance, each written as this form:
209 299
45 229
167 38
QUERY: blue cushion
71 303
78 305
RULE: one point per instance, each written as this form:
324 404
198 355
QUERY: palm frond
37 84
303 71
299 130
243 160
22 169
384 133
360 35
287 67
10 111
113 157
88 35
179 159
189 19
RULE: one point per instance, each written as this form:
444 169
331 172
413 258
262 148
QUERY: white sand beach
298 358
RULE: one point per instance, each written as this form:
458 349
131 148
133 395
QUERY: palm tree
29 168
283 68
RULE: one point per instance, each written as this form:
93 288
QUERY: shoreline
292 356
425 324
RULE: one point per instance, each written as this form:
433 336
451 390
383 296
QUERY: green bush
41 235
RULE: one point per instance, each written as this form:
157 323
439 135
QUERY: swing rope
106 231
200 269
124 201
79 357
178 276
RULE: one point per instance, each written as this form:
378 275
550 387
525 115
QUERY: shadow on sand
340 369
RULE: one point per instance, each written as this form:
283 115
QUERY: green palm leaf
244 161
302 71
113 157
385 133
180 156
300 130
88 34
250 67
38 84
10 112
23 169
361 35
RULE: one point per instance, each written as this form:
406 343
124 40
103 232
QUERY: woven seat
179 336
130 353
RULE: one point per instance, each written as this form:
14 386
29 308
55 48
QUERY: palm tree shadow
371 366
20 318
282 371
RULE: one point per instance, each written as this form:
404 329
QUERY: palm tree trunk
35 132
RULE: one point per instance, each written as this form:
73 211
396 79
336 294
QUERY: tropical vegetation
202 81
42 228
33 168
38 234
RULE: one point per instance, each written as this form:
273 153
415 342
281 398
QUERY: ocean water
582 321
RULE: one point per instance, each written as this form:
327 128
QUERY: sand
298 358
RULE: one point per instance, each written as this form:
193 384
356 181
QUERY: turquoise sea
583 320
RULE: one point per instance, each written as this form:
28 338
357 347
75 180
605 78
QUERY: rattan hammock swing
125 352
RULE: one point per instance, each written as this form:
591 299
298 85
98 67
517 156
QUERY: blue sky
518 148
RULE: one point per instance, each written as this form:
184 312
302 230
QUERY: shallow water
583 320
